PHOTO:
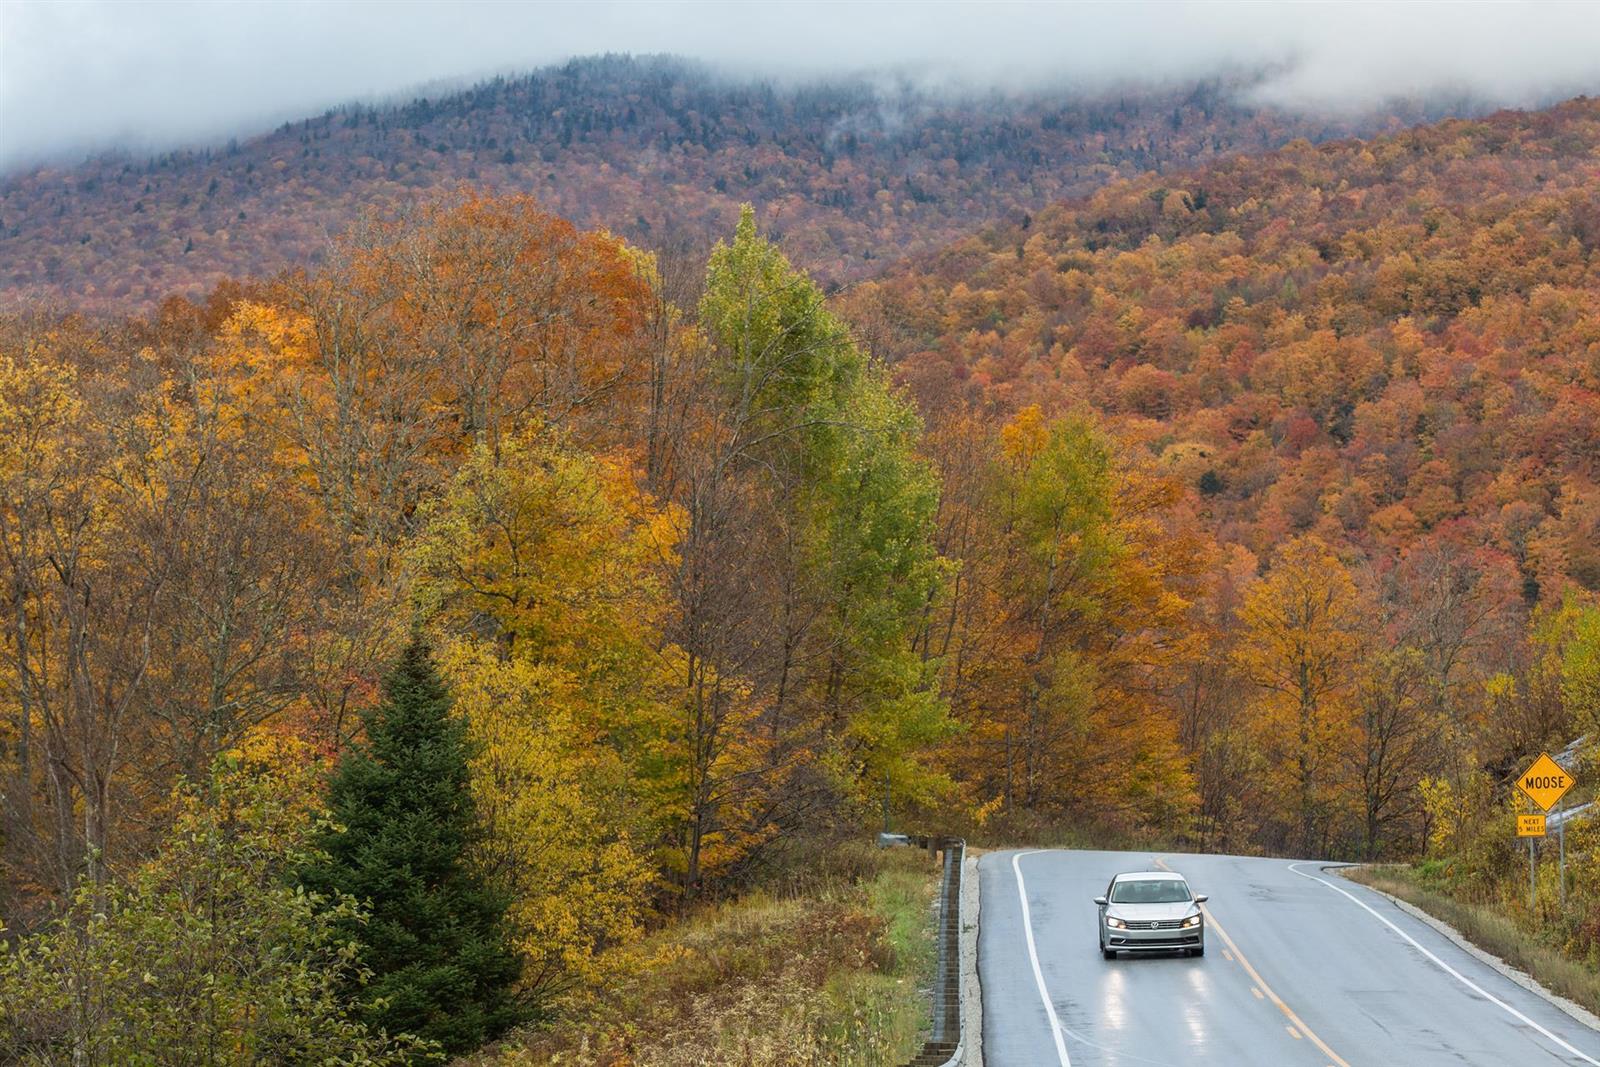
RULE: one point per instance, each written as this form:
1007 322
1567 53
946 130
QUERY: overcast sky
81 75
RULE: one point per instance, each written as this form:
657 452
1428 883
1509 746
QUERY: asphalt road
1313 969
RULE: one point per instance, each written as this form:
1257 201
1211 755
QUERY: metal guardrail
947 1039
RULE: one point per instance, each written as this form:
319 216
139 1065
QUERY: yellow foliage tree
1302 643
542 568
557 831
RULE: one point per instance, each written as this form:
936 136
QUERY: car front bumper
1154 940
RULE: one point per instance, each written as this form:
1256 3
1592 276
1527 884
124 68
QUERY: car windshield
1150 891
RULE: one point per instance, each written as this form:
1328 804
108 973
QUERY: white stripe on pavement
1451 971
1033 956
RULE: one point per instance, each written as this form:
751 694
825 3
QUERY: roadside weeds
834 971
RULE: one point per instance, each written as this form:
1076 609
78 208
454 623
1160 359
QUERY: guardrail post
947 1038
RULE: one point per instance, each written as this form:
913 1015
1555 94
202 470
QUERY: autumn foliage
851 173
674 557
1368 372
1256 508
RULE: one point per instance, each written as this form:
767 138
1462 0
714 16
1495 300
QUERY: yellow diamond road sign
1545 782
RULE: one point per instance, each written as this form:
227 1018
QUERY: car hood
1180 910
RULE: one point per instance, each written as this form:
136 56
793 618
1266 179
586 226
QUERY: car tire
1201 951
1108 953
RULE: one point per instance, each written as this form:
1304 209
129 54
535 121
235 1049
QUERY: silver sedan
1151 911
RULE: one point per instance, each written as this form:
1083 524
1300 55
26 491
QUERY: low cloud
85 76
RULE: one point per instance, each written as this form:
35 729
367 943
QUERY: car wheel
1201 951
1108 953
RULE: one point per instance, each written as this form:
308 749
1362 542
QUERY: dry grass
834 972
1492 929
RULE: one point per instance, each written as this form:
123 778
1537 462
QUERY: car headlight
1116 924
1193 920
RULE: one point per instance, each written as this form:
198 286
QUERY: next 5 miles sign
1545 782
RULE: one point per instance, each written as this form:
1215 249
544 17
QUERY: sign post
1561 864
1544 782
1531 826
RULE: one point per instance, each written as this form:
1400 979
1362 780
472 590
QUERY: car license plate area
1180 941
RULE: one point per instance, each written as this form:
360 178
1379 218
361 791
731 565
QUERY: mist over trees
849 174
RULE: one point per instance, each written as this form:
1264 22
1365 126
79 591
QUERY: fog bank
84 76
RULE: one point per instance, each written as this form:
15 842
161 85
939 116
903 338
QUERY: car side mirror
1100 901
1201 898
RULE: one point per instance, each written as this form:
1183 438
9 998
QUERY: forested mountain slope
1334 562
1385 343
1250 508
848 174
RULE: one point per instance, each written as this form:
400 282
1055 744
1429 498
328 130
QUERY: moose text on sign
1545 782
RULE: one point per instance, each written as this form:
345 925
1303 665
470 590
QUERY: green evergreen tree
404 824
205 956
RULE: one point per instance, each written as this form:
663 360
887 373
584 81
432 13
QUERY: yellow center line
1261 983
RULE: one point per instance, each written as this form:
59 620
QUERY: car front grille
1180 941
1155 924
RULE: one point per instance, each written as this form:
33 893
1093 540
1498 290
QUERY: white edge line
1442 965
1033 957
1493 962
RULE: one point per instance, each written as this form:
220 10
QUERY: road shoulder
1488 959
971 986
